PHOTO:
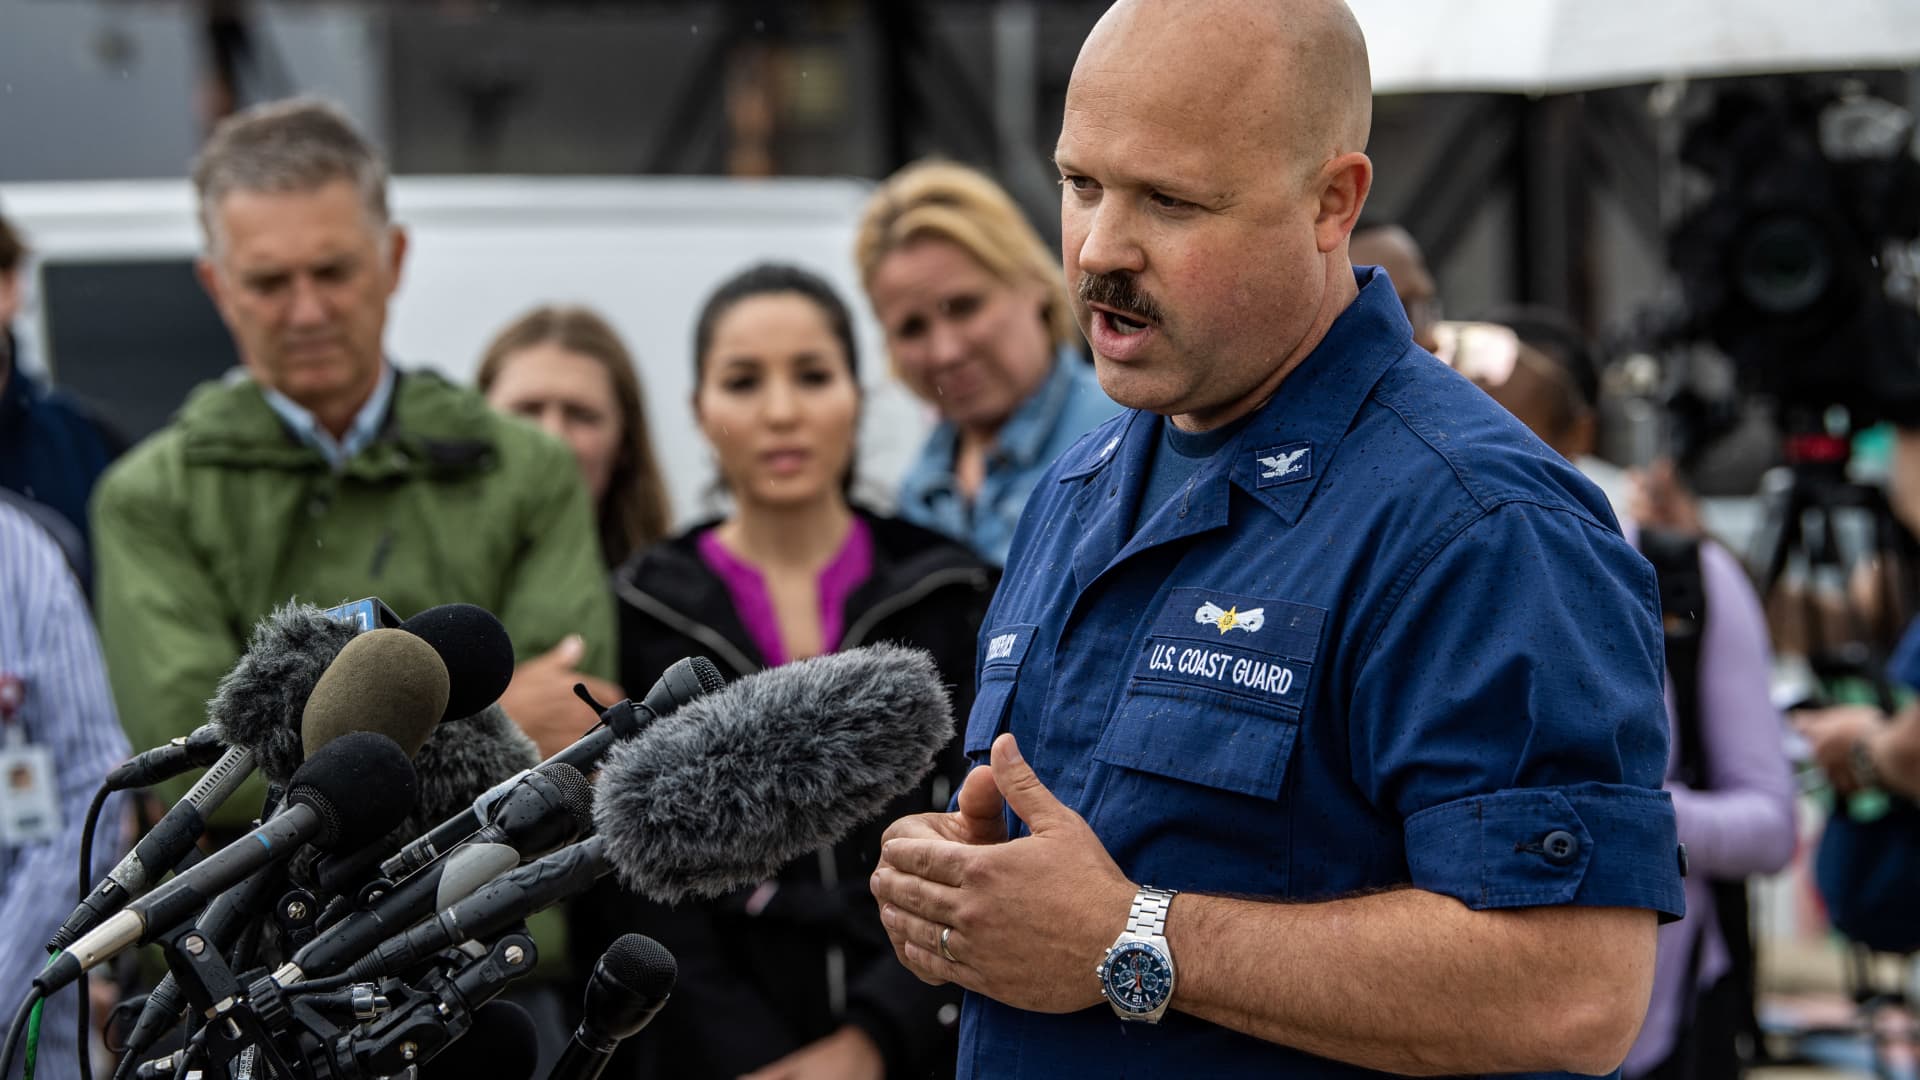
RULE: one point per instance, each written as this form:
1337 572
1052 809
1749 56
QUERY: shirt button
1560 847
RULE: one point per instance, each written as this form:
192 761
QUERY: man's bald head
1211 169
1287 76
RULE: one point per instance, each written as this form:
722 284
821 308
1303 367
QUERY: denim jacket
1068 405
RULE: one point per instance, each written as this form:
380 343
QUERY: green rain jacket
223 515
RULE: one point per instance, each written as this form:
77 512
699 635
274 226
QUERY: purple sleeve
1745 823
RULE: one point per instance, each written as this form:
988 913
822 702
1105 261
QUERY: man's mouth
1126 325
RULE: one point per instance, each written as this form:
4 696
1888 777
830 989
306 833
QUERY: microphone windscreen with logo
476 649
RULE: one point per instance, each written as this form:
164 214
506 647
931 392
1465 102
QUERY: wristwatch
1136 977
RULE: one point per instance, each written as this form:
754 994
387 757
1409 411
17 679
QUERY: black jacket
812 955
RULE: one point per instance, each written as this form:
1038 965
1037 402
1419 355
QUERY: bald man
1319 716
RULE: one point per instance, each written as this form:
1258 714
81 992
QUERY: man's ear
1344 185
397 240
209 277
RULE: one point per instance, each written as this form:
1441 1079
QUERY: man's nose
1110 244
308 306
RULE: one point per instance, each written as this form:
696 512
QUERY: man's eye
1168 202
1079 183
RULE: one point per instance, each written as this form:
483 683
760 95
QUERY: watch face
1138 976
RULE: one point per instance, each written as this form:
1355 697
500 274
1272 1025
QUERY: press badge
29 812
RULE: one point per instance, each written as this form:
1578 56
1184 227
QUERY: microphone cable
22 1021
84 1033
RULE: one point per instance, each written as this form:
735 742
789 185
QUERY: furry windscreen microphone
258 705
476 649
460 762
739 782
383 680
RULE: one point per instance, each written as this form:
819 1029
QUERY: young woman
565 369
794 976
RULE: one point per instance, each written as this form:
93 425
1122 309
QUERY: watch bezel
1131 943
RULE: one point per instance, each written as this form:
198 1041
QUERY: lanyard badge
29 810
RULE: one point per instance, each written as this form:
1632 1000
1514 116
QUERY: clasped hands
1027 919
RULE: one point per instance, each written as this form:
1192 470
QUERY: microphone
383 680
256 711
627 988
476 649
200 748
686 680
440 886
353 790
503 1044
689 678
733 786
741 782
498 904
459 763
462 762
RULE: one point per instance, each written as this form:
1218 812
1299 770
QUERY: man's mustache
1118 291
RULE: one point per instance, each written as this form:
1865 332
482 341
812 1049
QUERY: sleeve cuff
1597 845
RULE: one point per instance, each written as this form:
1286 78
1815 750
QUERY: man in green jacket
321 472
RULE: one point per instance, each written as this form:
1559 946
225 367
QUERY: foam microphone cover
383 680
258 705
476 649
459 762
360 783
739 782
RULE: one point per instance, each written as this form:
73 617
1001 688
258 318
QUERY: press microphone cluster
701 788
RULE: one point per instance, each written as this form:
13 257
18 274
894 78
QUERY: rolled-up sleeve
1510 714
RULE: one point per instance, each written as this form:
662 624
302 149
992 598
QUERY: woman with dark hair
565 369
794 976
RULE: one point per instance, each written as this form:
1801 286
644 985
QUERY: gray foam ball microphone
350 792
382 680
739 782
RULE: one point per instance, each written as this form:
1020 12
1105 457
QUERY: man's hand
540 698
1030 918
847 1054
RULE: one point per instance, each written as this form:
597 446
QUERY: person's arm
1405 981
70 713
1742 821
1511 698
163 623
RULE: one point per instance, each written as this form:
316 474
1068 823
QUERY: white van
115 315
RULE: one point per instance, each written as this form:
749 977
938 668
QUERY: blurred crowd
325 469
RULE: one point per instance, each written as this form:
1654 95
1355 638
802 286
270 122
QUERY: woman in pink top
794 976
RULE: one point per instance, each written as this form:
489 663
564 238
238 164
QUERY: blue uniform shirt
1386 637
1065 407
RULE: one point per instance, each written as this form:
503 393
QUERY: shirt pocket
1217 692
1005 650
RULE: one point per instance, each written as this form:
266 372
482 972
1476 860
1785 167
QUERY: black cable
83 1039
13 1032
